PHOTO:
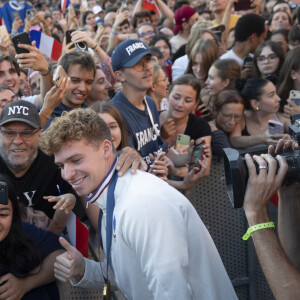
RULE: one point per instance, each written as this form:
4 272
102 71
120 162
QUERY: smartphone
30 14
3 193
295 96
182 140
21 38
275 127
68 37
197 155
59 74
16 15
242 5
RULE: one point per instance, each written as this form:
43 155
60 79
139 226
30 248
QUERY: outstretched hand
64 202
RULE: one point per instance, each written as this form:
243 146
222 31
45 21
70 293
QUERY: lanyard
110 204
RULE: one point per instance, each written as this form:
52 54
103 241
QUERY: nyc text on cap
20 111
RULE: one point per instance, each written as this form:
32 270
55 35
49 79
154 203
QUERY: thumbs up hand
69 265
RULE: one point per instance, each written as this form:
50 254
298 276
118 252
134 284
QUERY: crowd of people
115 116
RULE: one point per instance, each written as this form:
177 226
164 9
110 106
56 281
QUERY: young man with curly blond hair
155 242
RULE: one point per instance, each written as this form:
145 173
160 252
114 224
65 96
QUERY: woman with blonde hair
197 33
159 88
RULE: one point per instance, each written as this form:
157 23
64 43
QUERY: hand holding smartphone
21 38
247 59
182 140
197 154
295 96
59 74
30 14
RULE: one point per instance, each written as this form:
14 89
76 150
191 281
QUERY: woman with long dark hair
262 105
27 254
268 59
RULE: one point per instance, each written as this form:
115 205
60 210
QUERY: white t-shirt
179 66
30 99
230 54
177 41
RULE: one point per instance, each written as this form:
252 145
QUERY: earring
257 108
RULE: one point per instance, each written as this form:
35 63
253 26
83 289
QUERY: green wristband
257 227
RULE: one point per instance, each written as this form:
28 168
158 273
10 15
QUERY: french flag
78 234
47 44
64 5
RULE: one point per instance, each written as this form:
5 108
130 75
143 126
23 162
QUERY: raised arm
289 213
166 12
36 61
285 284
113 37
138 7
52 99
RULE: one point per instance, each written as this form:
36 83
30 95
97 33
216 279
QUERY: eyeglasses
229 117
24 134
165 80
143 64
270 58
144 34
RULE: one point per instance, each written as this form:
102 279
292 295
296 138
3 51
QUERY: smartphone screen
197 155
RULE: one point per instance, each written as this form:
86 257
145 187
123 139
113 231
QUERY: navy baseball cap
128 53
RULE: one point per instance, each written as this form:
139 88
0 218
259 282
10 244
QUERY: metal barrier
227 226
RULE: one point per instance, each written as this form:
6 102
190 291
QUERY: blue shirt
10 7
142 134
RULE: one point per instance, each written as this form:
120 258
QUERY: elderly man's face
19 151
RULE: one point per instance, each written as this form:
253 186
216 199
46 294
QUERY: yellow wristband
257 227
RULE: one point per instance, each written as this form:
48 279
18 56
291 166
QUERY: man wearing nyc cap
133 67
185 17
32 172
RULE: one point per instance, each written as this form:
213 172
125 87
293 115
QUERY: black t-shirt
41 179
197 127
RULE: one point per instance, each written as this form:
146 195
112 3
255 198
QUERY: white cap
97 9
